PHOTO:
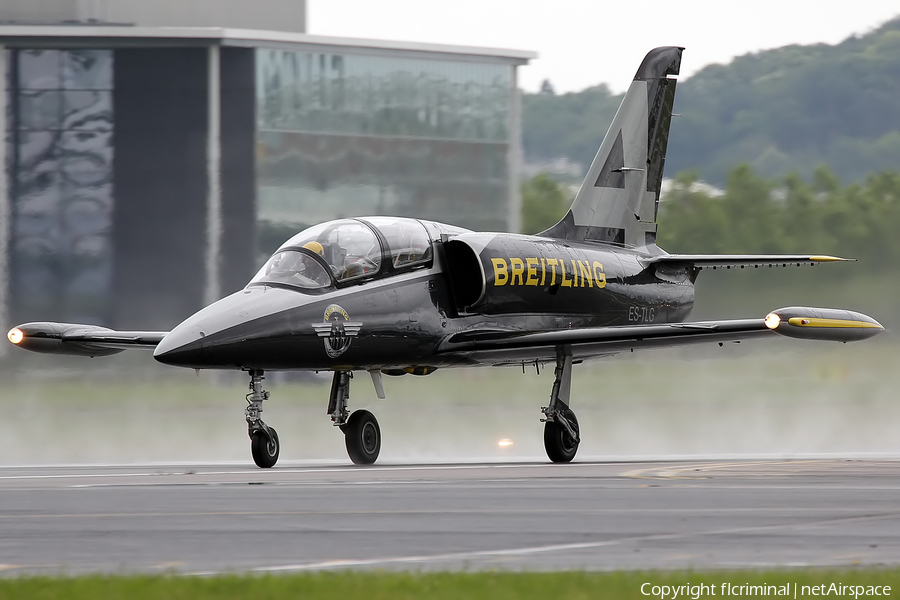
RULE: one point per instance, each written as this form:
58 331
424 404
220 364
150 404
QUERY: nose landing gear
264 444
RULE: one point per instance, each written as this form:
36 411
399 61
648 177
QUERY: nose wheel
264 444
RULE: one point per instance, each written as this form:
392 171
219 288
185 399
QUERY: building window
61 126
373 95
344 135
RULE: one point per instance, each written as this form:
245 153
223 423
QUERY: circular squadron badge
337 329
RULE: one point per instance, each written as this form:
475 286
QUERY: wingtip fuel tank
58 338
828 324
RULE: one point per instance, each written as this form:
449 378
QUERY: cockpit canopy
348 250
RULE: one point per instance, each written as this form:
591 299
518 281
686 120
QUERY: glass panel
39 168
86 158
293 267
62 255
370 95
407 240
39 70
323 177
349 247
342 135
87 110
40 110
87 70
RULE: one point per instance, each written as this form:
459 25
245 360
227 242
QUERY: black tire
362 437
560 446
265 451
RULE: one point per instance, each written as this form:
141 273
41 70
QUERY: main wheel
265 450
362 437
560 446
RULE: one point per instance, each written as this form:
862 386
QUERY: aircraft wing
80 340
497 347
727 261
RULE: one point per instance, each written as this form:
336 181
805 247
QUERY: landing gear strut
264 443
362 435
561 433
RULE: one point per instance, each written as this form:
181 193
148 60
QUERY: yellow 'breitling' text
548 272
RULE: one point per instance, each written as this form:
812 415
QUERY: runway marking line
671 472
347 469
480 511
425 558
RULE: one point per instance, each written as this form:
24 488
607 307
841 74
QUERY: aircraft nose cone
181 347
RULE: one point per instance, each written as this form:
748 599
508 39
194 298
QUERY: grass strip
376 585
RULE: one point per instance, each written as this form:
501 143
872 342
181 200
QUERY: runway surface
612 515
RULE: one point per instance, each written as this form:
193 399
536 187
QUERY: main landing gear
561 433
362 435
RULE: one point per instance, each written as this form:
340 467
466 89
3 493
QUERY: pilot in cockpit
313 270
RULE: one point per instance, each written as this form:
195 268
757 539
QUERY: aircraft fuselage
478 284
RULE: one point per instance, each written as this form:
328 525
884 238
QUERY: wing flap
497 347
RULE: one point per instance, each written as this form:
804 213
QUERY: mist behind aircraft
784 398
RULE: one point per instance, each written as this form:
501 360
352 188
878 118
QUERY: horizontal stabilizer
741 261
80 340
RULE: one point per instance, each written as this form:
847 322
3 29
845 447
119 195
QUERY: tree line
781 110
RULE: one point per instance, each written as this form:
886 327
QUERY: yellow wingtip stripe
811 322
827 259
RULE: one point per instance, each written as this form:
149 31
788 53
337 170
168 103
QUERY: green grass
434 586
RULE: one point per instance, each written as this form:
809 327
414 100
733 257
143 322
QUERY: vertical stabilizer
619 199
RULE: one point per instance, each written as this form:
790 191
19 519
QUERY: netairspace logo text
789 590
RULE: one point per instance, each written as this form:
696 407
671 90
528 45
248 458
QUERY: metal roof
116 35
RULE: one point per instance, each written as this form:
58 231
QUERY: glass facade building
342 135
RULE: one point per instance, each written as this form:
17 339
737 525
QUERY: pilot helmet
315 247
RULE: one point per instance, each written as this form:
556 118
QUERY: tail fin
619 199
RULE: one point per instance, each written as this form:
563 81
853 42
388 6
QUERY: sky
582 43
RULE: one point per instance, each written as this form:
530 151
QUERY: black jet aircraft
399 296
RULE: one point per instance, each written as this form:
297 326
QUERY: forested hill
779 110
